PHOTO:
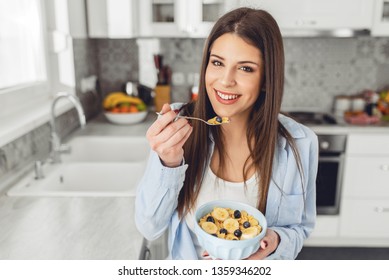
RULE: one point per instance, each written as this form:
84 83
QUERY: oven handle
330 158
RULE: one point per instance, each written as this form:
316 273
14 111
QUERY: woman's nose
228 78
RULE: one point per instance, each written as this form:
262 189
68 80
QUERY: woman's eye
246 69
216 62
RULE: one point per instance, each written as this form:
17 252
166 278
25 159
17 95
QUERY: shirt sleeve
157 196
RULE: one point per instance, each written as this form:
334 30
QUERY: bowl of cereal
229 230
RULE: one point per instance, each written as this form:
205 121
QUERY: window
22 59
36 61
23 56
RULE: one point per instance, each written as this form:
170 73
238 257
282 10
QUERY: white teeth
227 96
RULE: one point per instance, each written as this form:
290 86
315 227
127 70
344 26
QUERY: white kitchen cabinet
112 18
381 18
178 18
77 19
366 177
365 195
297 17
365 218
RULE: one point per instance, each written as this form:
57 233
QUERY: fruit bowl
219 248
125 118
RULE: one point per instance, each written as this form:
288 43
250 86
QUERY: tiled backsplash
34 145
316 70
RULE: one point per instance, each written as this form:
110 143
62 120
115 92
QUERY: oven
330 173
331 158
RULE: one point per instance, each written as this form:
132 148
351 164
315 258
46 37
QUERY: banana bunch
116 99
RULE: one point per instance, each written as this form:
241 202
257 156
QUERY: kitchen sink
107 149
96 166
94 179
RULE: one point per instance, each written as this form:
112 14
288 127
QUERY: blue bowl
219 248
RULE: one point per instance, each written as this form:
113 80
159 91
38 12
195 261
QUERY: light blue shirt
290 210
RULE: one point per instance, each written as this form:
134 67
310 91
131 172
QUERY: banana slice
249 233
231 225
209 227
230 236
253 221
220 214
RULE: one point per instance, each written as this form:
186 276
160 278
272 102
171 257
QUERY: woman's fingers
264 244
167 136
171 142
183 140
174 130
165 108
170 135
161 123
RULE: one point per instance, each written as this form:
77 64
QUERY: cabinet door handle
384 167
380 209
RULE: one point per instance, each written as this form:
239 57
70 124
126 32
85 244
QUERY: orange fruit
133 109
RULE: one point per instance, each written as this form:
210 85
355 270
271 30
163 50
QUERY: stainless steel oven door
328 183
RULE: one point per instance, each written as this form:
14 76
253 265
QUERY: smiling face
233 77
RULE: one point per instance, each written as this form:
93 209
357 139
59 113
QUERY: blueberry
223 230
238 233
219 119
214 234
210 219
237 214
246 224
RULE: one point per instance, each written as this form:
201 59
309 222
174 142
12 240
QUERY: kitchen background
319 67
316 70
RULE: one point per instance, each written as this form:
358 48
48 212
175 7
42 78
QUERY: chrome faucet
56 147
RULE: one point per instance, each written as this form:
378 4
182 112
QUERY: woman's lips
226 98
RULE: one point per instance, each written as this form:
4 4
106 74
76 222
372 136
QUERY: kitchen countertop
73 227
68 228
348 129
88 227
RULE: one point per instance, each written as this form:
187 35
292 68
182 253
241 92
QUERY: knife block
162 96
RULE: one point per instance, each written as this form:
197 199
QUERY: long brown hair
258 28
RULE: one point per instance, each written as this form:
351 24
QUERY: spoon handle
192 118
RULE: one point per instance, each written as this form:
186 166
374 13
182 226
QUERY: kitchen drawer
367 144
364 218
366 177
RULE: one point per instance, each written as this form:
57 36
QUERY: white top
214 188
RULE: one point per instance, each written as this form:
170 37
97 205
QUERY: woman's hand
167 137
268 245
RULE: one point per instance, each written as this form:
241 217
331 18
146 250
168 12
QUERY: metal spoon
197 119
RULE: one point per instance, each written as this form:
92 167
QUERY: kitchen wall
316 70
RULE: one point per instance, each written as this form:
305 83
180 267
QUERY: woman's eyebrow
217 56
239 62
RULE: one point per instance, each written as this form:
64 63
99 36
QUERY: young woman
261 157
